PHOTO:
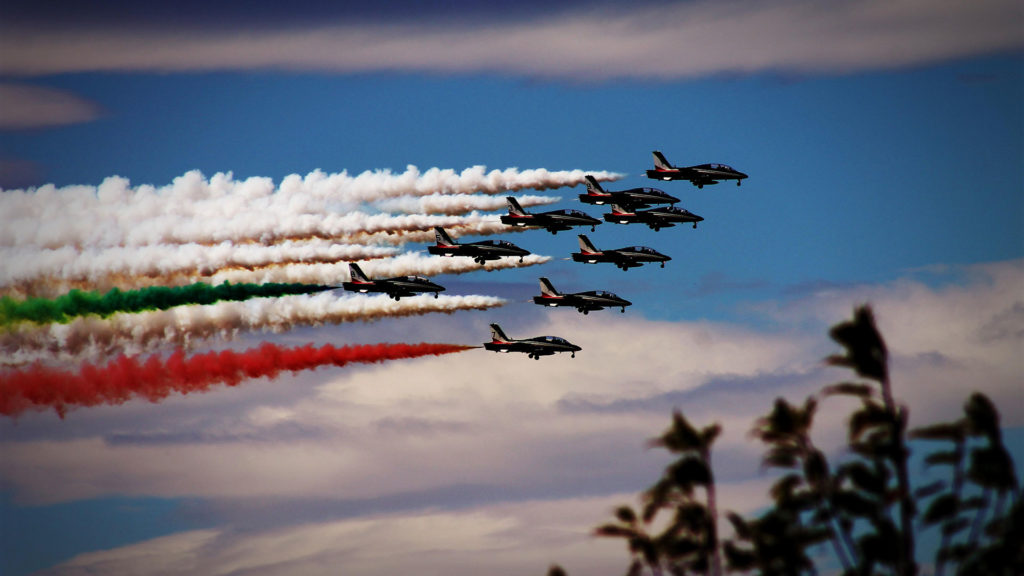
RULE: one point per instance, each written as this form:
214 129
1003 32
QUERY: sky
884 143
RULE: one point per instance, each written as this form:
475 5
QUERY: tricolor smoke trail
154 379
184 326
80 303
194 209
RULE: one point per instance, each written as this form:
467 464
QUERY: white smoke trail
457 203
410 263
90 338
478 227
194 209
69 264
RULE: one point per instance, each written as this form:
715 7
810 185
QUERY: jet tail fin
547 288
356 273
660 161
593 187
616 209
586 245
514 208
498 335
442 237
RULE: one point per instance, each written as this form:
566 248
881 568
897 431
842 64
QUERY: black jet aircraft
632 198
656 218
552 221
699 176
393 287
480 252
535 347
582 301
624 258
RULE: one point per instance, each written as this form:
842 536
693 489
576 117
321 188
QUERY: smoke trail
457 203
79 303
468 226
409 263
23 266
193 208
184 326
154 379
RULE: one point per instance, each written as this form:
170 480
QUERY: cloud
26 106
517 452
656 41
503 539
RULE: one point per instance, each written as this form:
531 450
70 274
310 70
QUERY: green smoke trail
65 308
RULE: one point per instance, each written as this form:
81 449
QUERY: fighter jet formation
635 205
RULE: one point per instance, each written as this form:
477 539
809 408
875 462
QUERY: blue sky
884 165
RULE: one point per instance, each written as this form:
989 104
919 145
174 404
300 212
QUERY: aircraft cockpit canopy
502 243
555 340
721 167
416 279
643 249
604 294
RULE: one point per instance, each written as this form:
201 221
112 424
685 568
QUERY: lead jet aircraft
535 347
656 218
552 221
624 258
582 301
699 176
632 198
480 252
393 287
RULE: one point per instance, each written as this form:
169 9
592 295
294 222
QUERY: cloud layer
419 447
26 106
658 41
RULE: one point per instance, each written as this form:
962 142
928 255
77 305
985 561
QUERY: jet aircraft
552 221
624 258
394 287
632 198
535 347
480 252
699 176
583 301
655 218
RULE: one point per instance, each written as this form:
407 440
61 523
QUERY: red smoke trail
155 378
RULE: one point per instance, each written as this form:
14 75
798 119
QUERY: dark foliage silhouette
862 508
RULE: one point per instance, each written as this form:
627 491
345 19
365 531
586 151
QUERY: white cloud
517 538
23 106
662 41
431 438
